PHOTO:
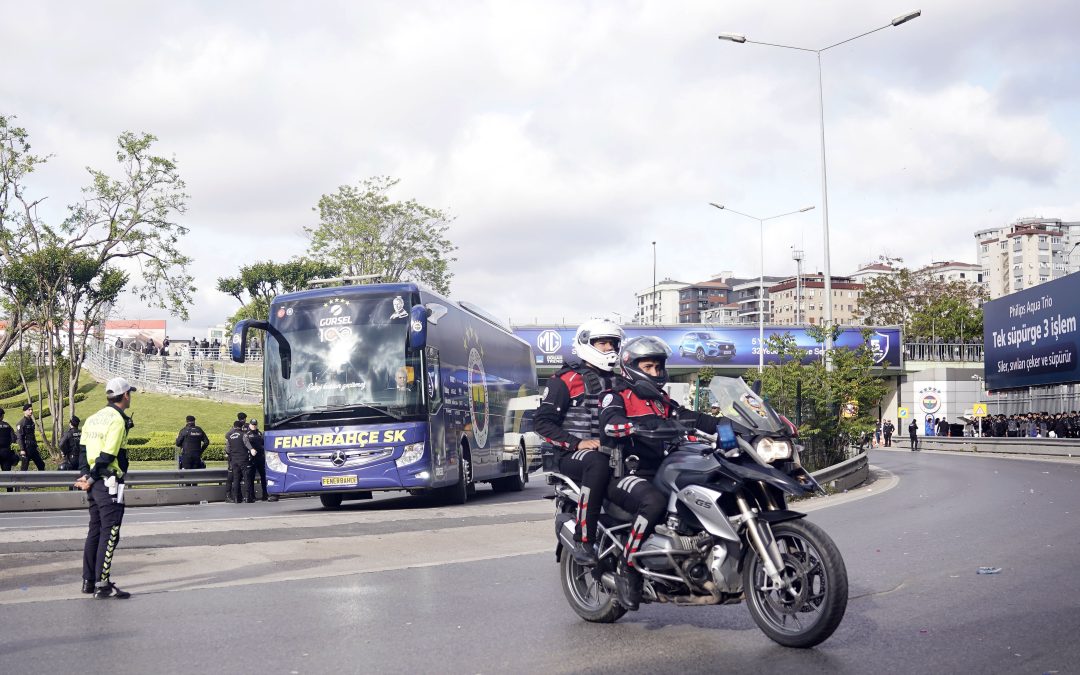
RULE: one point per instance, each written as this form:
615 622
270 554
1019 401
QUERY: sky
565 137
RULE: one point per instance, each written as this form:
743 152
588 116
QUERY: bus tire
515 483
458 493
331 501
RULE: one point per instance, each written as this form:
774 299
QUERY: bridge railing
943 351
168 374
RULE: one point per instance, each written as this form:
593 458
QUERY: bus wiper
290 418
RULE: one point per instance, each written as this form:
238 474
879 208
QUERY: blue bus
390 387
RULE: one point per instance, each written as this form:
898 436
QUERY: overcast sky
566 136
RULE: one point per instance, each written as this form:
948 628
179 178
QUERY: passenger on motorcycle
568 417
639 402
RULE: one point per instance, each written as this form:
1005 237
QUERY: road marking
1056 459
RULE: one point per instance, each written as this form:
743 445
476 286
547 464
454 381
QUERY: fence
149 488
945 351
202 373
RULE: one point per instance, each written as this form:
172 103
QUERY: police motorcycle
728 536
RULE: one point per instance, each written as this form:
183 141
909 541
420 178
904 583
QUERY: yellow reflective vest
105 432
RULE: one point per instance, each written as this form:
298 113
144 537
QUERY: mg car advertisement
1030 336
735 346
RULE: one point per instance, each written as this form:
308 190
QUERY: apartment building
1026 253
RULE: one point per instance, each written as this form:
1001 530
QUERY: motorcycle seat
617 512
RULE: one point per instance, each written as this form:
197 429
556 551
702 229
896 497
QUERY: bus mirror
418 327
238 343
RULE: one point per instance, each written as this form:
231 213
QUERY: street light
761 279
741 39
980 379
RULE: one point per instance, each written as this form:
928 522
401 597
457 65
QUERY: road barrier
1050 447
164 488
846 474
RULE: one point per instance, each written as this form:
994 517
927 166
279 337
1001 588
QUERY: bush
14 361
162 453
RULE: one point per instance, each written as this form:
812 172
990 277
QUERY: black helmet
645 347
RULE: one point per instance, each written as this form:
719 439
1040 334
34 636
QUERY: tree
924 305
62 278
261 281
367 233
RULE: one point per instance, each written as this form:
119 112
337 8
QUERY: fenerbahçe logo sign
478 394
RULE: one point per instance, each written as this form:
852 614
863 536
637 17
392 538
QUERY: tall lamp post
740 39
761 279
654 302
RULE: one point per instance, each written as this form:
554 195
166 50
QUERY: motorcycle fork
764 544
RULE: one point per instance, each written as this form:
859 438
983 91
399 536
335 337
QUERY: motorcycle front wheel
815 571
587 596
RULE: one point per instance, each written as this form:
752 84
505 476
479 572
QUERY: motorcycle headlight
413 452
772 449
274 463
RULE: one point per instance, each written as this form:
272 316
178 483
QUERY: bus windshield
350 362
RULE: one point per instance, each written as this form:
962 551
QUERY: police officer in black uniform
239 463
638 401
253 441
69 446
28 447
8 458
192 442
569 418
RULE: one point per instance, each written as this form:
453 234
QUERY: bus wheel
515 483
331 501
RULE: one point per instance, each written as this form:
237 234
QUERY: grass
156 412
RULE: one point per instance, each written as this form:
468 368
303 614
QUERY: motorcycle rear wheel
586 595
816 570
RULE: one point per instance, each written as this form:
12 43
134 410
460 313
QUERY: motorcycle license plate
328 481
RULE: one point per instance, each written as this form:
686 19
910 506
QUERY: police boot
87 586
110 591
628 583
584 554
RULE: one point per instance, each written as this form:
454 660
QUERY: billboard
1030 336
724 346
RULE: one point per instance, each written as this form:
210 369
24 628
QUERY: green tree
924 305
369 234
261 281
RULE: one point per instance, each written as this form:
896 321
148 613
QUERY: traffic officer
253 441
69 446
239 463
28 447
8 458
568 418
638 401
192 442
106 463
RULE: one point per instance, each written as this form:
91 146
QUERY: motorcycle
728 536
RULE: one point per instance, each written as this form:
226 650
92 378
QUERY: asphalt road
474 589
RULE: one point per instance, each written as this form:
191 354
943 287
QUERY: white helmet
592 330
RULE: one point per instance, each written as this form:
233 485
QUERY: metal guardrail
182 486
846 474
1049 447
943 351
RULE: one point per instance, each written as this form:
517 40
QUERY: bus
390 387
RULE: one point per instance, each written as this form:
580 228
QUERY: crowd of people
1033 425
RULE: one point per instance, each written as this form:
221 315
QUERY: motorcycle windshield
738 402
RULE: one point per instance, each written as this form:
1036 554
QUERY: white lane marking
1055 459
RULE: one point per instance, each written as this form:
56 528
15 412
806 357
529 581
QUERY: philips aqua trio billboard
718 346
1030 336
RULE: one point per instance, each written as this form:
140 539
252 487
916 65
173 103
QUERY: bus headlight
413 452
274 463
771 449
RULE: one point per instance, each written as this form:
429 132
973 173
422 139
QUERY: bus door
436 413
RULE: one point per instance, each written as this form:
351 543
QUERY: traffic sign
901 412
979 410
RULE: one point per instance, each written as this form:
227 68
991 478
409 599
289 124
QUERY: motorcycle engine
723 562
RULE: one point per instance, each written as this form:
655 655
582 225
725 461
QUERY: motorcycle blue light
725 436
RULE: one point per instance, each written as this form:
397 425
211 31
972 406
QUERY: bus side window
432 386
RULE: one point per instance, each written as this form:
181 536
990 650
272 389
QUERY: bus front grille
338 459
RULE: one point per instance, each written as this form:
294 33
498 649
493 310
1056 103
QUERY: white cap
118 386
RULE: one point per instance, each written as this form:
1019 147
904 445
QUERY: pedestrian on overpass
106 463
913 434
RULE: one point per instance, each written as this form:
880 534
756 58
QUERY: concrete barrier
1050 447
192 486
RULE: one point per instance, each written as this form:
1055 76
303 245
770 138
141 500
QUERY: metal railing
943 351
168 374
36 490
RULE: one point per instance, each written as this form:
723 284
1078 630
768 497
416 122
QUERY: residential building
704 295
1026 253
659 304
752 296
724 315
871 271
953 271
845 295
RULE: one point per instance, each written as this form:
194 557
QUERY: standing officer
105 438
239 463
192 442
8 458
69 446
28 447
253 441
913 433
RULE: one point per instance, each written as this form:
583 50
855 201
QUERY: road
386 586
